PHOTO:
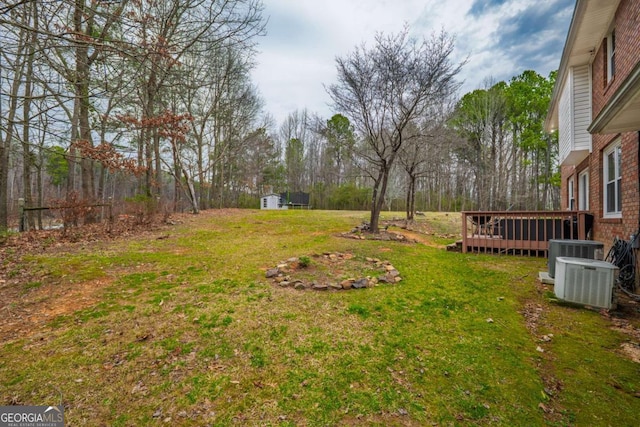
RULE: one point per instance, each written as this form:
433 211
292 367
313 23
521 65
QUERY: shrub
304 261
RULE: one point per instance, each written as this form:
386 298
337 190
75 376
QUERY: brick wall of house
606 229
627 28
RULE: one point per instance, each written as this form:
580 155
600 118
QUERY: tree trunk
82 94
5 146
40 195
204 203
177 196
72 158
148 152
193 198
4 181
408 200
157 181
27 159
377 199
142 137
411 197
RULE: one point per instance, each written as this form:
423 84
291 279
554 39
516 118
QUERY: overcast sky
500 38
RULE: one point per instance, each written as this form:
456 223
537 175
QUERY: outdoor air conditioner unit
585 281
573 248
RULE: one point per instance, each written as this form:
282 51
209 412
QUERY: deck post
581 226
464 232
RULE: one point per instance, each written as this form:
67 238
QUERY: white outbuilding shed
272 201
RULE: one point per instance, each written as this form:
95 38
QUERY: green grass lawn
186 330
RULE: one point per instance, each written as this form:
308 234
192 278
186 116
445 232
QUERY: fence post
21 221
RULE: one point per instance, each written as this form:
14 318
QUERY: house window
611 55
583 191
613 181
572 196
264 202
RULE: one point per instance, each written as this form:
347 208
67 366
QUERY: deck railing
521 232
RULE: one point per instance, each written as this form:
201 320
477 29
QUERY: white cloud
305 36
292 82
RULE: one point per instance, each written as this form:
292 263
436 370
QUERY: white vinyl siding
581 108
574 113
565 126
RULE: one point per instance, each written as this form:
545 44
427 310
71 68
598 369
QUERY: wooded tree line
150 103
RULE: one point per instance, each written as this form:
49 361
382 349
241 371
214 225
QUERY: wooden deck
521 232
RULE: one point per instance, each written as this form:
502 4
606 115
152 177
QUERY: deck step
455 247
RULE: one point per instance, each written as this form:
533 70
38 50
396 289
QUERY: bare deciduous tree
424 144
384 89
12 55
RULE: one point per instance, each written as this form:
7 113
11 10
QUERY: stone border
281 275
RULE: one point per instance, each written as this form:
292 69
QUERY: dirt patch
422 230
631 350
532 314
401 230
31 298
332 272
25 314
382 235
419 238
625 320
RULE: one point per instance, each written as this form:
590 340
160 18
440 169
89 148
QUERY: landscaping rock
360 283
284 275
